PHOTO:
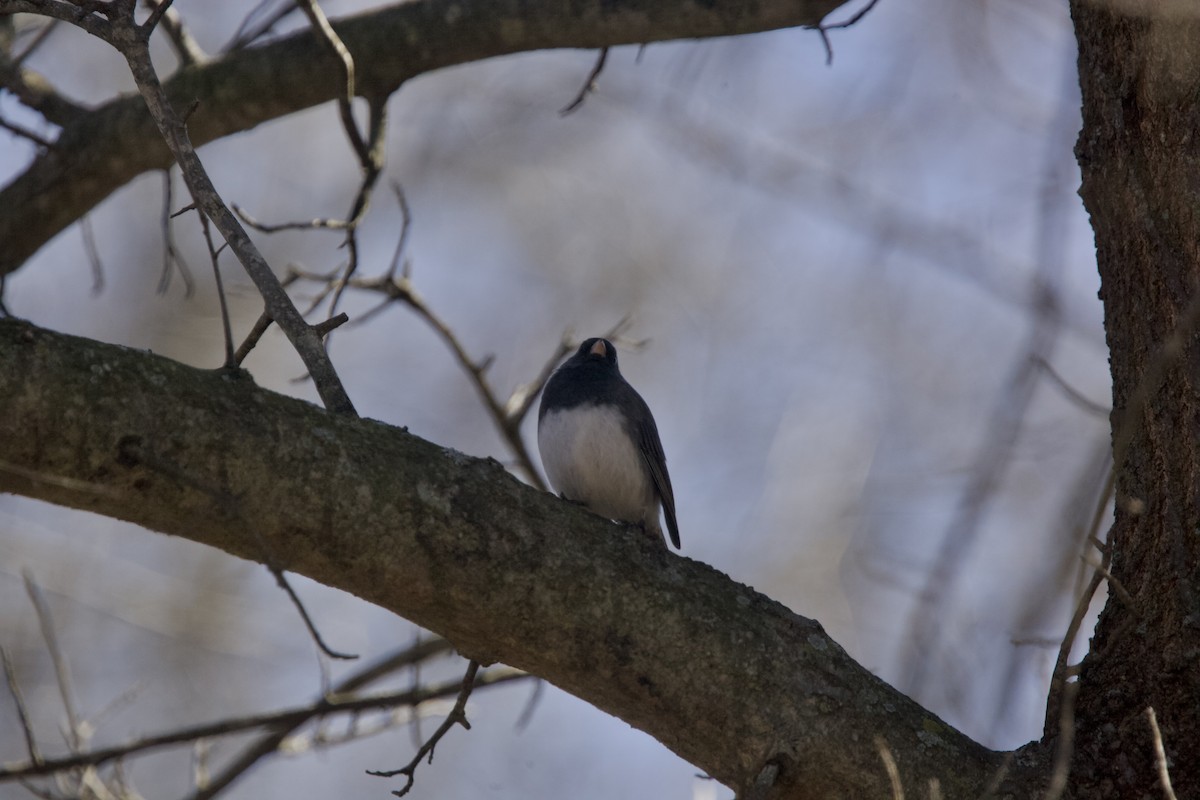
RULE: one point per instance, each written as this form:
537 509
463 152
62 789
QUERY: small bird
599 443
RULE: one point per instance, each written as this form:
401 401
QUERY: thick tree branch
101 150
725 677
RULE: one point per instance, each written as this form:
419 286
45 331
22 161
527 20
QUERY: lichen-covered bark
723 676
1139 151
100 151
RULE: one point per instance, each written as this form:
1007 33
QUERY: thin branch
270 742
292 718
62 672
187 49
304 339
405 225
589 85
823 30
1160 755
320 223
157 9
215 255
171 253
281 579
260 327
330 325
457 716
246 35
10 677
535 697
858 15
327 36
1058 677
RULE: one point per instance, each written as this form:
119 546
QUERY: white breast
590 459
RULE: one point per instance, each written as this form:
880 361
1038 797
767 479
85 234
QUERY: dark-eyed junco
599 443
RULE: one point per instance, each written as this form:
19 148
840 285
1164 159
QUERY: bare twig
333 323
823 29
62 672
457 716
304 339
187 49
270 742
171 253
326 34
281 579
214 255
260 327
1160 755
10 677
1058 678
292 718
246 34
402 241
320 223
535 697
158 9
589 84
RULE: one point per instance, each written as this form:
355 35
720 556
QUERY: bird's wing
656 460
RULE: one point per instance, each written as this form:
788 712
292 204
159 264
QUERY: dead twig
292 718
589 84
133 44
214 255
285 584
823 29
62 672
457 716
269 743
171 254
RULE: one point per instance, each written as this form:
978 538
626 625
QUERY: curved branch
723 676
101 150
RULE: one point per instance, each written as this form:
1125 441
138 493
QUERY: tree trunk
1139 66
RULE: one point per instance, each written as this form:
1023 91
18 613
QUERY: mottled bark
725 677
1139 151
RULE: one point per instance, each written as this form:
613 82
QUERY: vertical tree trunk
1139 150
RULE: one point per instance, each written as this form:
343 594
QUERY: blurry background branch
100 150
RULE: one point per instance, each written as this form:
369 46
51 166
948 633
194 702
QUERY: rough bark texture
723 676
1139 151
100 151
